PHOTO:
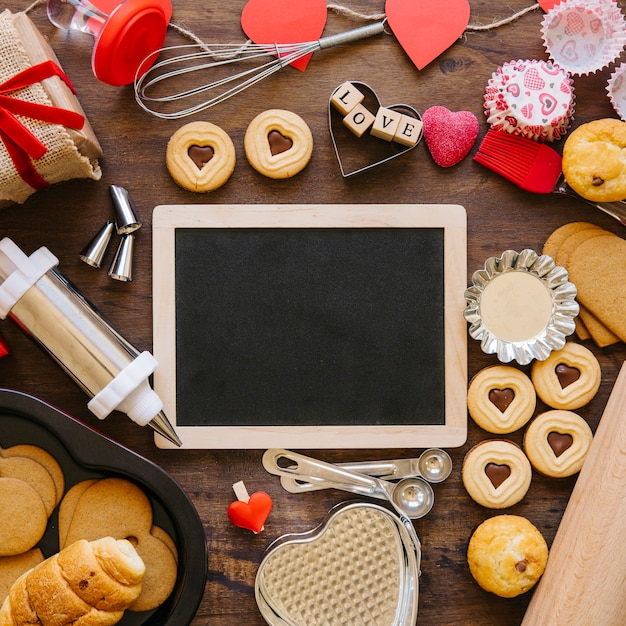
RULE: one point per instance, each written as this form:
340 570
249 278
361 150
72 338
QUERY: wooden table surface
500 217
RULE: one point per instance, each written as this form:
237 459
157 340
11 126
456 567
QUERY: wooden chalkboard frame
451 218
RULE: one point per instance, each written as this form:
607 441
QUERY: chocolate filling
278 143
497 474
200 155
559 442
501 398
566 374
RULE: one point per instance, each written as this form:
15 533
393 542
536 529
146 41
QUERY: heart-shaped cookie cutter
359 154
362 565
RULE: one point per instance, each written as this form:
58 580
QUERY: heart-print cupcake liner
584 36
531 98
616 90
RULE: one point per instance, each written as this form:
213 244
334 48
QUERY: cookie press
125 32
51 311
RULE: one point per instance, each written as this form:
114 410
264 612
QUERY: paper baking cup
584 36
616 89
521 306
534 99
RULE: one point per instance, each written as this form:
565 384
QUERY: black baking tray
84 453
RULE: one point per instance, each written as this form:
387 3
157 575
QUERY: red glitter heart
449 135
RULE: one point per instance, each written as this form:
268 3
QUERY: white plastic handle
134 377
19 272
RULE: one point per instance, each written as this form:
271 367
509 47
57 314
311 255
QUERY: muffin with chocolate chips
594 160
507 555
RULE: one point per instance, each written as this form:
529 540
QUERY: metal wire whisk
272 57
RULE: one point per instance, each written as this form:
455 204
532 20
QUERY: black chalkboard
307 327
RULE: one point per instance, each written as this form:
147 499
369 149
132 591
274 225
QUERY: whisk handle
362 32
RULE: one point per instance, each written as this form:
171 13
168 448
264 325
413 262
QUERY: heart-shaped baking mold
360 566
358 154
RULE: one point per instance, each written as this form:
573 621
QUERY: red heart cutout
285 21
251 514
546 5
427 28
449 135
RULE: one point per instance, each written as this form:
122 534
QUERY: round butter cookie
594 160
200 156
556 443
507 555
496 473
501 399
569 378
278 143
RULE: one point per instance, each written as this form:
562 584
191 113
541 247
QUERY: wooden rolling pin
585 579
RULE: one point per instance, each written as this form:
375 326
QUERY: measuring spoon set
412 496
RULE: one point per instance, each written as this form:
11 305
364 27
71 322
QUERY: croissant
89 583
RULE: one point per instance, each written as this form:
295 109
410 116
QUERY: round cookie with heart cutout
200 156
569 378
501 399
278 143
556 443
496 473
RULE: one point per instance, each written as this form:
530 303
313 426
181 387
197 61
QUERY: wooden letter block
346 97
409 131
359 120
386 123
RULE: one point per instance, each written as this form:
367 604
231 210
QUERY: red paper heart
251 514
427 28
546 5
284 21
449 136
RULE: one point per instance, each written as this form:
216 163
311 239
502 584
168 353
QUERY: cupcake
584 36
534 99
507 555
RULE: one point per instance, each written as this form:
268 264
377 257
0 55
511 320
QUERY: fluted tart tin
521 306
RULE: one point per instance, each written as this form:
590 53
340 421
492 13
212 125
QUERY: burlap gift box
70 153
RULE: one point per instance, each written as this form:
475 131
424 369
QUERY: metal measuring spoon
434 465
411 497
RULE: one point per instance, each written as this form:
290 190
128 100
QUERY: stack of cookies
595 260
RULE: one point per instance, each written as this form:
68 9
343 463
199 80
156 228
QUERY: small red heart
251 514
427 28
284 21
449 135
546 5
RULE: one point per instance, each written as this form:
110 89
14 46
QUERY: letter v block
386 123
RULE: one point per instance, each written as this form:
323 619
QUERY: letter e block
346 97
409 131
386 123
359 120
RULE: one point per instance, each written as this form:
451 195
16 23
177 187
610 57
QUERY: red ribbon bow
21 144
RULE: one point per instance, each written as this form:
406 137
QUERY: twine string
339 10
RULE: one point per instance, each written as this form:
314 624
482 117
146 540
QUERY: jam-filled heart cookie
501 399
556 442
278 143
200 156
496 473
569 378
507 555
